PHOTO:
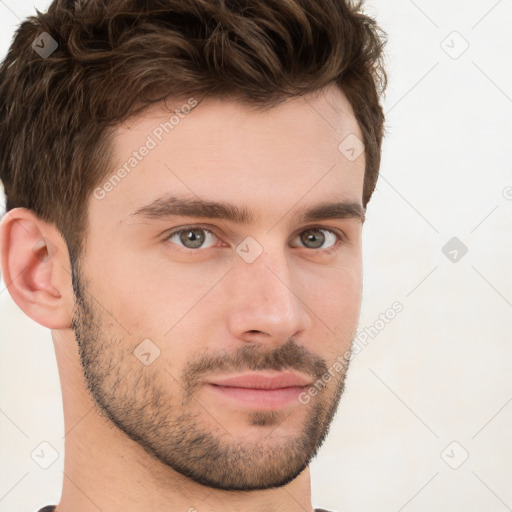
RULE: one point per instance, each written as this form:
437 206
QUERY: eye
192 238
315 238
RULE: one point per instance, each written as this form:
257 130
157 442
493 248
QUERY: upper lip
261 381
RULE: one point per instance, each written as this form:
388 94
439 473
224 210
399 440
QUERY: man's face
199 333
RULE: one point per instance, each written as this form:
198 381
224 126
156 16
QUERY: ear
36 268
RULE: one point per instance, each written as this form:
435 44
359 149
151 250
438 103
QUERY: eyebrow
171 206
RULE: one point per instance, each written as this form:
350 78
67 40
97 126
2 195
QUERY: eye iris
192 238
311 236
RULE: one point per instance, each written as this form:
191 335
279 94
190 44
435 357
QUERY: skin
132 428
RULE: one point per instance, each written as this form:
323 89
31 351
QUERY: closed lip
255 380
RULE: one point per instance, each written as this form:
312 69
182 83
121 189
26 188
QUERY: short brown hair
115 57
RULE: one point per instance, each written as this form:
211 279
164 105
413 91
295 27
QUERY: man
186 183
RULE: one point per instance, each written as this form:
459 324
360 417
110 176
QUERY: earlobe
35 266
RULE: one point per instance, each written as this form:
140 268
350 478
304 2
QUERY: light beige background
432 387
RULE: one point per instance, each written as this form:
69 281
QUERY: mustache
288 356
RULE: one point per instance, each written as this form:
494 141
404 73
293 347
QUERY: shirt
51 508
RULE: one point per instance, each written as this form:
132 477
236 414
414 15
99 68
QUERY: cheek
169 307
336 303
146 292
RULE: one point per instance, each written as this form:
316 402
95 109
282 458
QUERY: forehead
264 159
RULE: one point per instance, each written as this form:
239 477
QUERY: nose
266 301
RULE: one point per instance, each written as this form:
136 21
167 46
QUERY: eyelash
339 239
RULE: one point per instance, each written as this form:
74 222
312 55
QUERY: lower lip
263 399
